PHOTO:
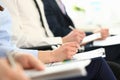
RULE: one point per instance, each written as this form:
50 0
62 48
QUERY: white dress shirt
61 6
27 29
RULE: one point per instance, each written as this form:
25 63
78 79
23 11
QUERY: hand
9 73
28 61
104 33
74 36
66 51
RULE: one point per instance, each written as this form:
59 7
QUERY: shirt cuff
27 51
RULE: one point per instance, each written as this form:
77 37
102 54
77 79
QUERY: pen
81 49
72 28
11 59
54 47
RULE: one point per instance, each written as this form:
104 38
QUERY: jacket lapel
40 4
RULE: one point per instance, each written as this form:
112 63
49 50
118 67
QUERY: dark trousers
97 70
115 68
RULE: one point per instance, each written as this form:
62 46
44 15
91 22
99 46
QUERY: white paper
63 70
90 54
91 37
112 40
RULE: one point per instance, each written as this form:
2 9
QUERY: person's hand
104 33
29 62
74 36
11 73
66 51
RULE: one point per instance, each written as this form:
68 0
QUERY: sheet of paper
112 40
91 37
63 70
90 54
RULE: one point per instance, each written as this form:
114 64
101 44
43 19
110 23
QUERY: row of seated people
26 37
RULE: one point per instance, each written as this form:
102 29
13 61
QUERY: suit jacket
58 22
59 25
27 30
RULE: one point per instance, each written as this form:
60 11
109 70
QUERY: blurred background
94 13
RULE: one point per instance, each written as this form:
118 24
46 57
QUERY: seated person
98 69
59 23
29 31
27 61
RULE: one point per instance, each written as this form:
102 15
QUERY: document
91 37
100 52
112 40
60 70
68 68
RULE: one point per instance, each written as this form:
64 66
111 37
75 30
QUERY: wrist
46 56
64 40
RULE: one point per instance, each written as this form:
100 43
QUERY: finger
36 64
19 73
73 44
72 50
10 73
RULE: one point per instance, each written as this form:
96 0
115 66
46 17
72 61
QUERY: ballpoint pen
72 28
81 49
